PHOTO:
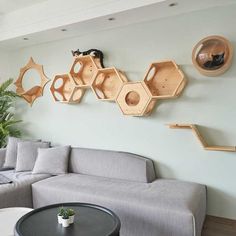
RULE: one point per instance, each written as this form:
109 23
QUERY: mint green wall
210 102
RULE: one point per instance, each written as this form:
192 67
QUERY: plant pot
71 219
59 219
65 222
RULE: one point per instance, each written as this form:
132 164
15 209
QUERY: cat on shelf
92 52
216 62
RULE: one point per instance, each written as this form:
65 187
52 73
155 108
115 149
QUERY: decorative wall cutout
135 99
107 83
65 90
165 80
212 56
37 91
201 139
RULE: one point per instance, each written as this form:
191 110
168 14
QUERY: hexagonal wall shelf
135 99
107 83
65 90
165 80
84 69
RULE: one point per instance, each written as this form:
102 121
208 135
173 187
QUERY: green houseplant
7 120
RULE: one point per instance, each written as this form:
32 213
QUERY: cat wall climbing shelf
204 144
65 90
163 80
135 99
36 91
212 55
107 83
84 69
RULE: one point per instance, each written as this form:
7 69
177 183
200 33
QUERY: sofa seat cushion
18 193
163 207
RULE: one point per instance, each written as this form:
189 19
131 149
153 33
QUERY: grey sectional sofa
125 183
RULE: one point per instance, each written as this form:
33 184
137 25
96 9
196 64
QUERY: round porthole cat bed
212 56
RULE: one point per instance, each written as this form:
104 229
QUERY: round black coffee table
90 220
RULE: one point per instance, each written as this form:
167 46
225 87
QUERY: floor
215 226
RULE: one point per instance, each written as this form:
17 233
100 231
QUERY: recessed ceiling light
63 30
25 39
111 18
173 4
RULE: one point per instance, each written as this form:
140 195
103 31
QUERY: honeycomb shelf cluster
162 81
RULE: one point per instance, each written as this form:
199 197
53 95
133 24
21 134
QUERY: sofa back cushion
111 164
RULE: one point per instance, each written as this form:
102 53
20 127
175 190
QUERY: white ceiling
81 17
7 6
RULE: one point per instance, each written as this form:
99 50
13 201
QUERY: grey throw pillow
52 161
11 152
27 153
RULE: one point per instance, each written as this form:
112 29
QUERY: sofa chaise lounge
123 182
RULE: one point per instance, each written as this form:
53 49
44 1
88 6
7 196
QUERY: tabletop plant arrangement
65 216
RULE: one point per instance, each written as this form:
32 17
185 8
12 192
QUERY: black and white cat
216 62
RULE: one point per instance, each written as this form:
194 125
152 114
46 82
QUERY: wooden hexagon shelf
84 69
65 90
165 80
36 91
107 83
135 99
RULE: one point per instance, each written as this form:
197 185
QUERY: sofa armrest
2 156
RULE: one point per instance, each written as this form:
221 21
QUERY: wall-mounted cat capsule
212 55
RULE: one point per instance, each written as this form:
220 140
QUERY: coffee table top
90 220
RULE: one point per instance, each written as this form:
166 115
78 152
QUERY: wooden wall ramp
64 89
165 80
135 99
36 91
204 144
107 83
84 69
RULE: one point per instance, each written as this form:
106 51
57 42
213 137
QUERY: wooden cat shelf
201 139
84 69
165 80
65 90
107 83
135 99
36 91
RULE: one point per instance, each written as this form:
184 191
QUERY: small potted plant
65 219
71 214
60 214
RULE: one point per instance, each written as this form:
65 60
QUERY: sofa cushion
11 152
111 164
52 161
27 153
163 207
18 193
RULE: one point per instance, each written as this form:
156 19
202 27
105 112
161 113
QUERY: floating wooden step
195 130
